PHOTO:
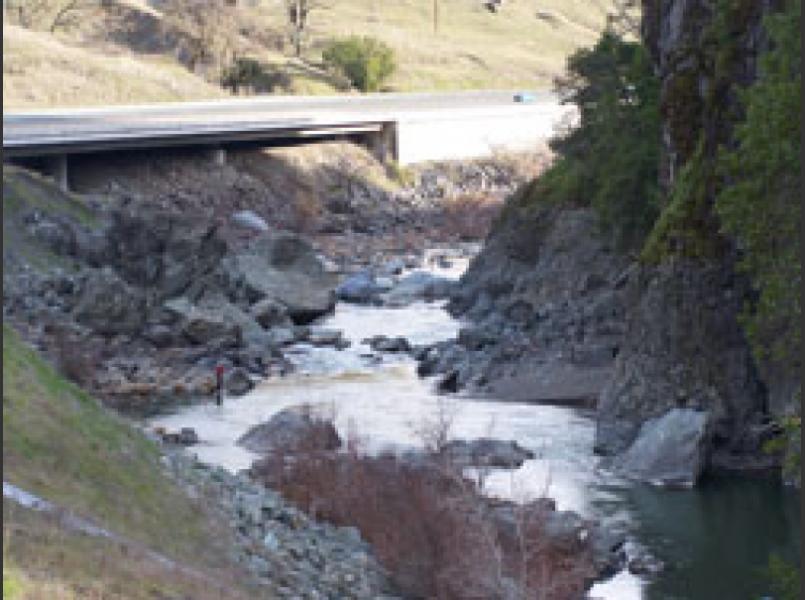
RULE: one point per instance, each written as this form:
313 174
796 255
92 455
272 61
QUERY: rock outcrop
544 301
684 344
149 300
684 348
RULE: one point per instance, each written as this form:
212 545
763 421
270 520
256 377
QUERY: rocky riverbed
138 303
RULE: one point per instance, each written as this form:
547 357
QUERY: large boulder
202 326
283 267
162 251
213 312
108 305
486 452
670 450
292 430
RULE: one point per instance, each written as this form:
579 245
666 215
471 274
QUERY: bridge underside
52 157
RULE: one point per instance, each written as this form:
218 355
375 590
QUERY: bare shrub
470 217
306 211
207 31
430 527
50 15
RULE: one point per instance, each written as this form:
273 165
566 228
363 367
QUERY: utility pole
297 10
435 17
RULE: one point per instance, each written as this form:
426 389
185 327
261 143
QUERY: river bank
139 303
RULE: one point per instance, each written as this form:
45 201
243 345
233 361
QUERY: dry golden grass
524 45
39 70
473 48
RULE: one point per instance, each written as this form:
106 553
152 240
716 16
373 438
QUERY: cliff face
676 335
545 298
684 346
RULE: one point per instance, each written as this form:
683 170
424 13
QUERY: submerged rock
486 452
383 343
419 285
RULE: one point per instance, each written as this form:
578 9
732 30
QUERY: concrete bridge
406 128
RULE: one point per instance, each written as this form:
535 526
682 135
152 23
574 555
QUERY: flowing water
713 540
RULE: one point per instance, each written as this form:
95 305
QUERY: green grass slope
61 444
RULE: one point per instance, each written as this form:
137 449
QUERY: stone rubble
289 554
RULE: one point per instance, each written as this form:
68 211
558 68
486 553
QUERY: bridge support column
383 143
57 168
217 156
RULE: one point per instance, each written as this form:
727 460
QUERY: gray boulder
108 305
238 382
670 450
202 325
419 285
285 268
292 430
359 288
383 343
319 336
486 452
249 220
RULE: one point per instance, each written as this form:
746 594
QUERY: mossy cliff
685 343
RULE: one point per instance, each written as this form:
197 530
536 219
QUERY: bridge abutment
383 144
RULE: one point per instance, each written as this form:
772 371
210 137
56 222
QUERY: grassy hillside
114 60
473 47
40 70
61 444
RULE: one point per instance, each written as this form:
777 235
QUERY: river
713 540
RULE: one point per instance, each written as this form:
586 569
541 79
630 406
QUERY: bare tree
50 15
207 28
298 12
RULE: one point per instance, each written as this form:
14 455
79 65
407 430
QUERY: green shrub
761 204
610 160
254 76
365 61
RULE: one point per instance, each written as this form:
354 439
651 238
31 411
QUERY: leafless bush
207 29
306 211
50 15
435 432
429 526
471 216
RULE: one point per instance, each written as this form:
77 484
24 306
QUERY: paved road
65 130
